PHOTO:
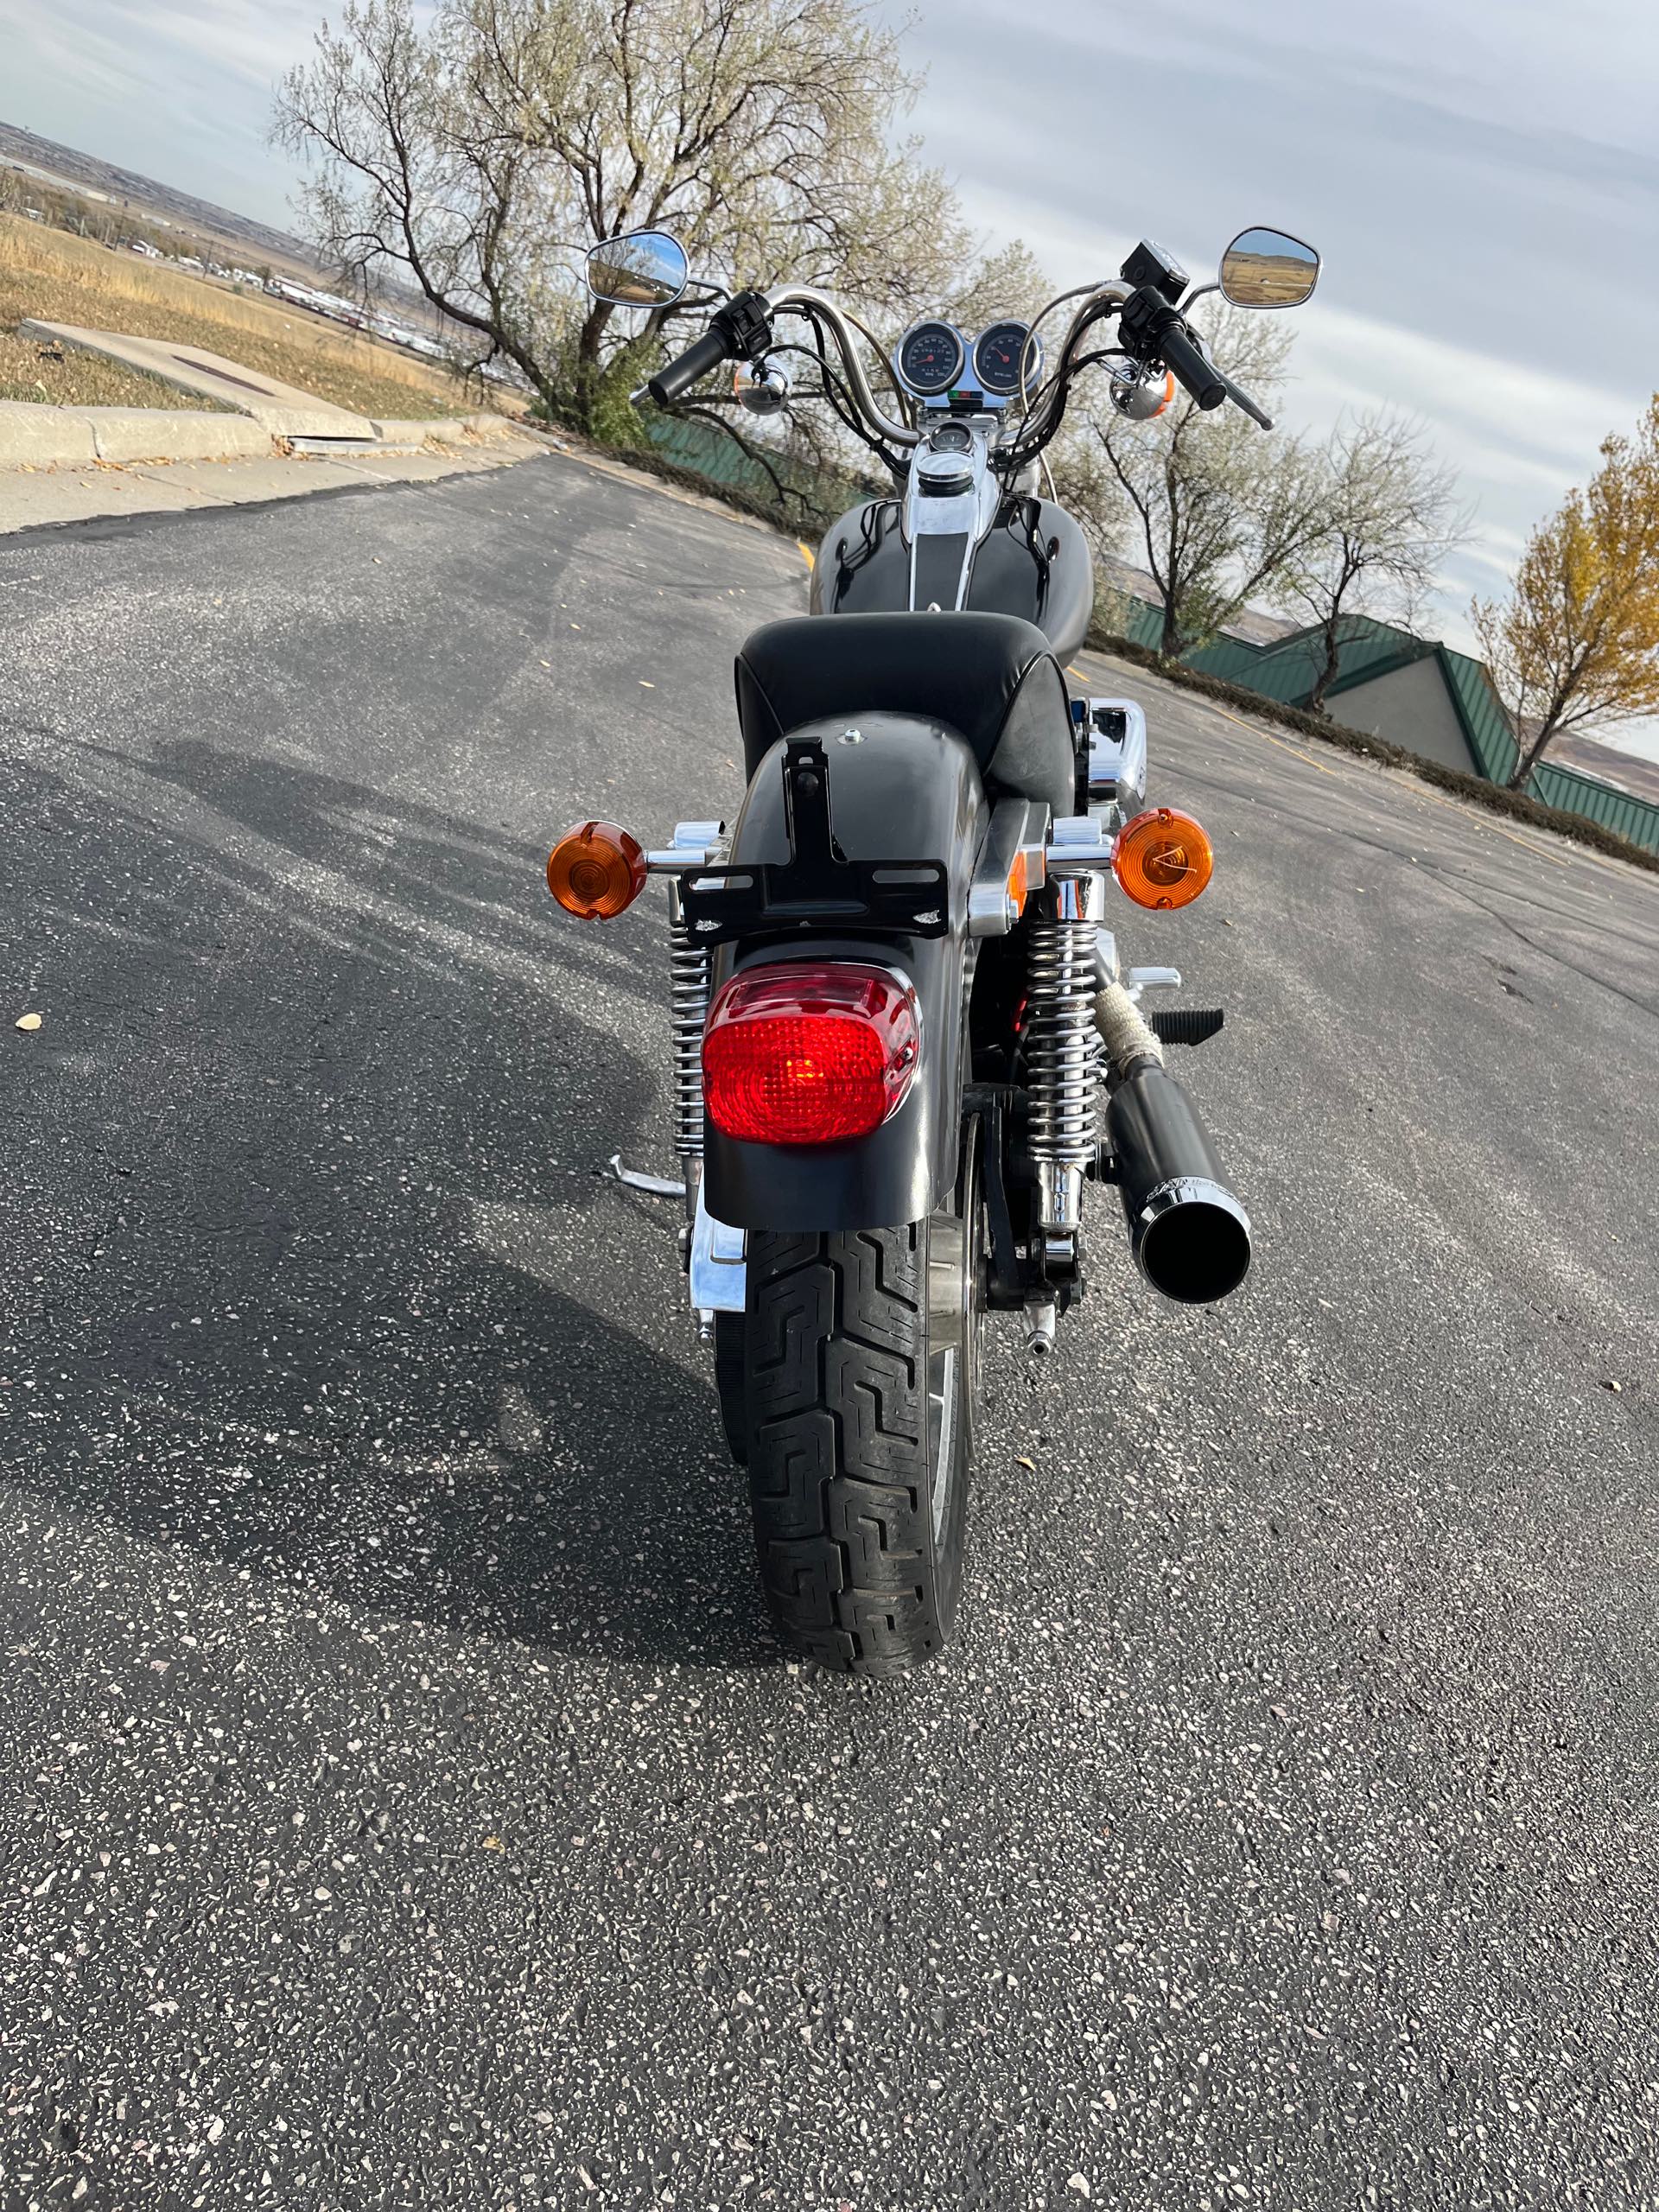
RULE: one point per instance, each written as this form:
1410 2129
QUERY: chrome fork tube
1061 1051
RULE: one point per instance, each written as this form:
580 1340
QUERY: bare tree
1010 282
477 149
1219 508
1576 644
1388 515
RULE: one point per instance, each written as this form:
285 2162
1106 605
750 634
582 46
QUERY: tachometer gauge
1002 354
929 358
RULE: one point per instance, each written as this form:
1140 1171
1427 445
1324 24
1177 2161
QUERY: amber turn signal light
1162 858
595 871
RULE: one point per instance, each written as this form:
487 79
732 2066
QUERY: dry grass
81 379
58 277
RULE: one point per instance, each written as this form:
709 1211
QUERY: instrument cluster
934 360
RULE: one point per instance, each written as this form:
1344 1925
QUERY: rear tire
858 1387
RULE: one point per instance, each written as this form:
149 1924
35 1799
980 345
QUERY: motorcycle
898 1008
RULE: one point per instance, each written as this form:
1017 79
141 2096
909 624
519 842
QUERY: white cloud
254 43
1518 432
1466 169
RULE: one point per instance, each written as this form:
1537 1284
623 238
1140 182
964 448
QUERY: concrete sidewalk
35 436
31 497
282 410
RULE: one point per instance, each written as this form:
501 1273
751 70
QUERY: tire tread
837 1392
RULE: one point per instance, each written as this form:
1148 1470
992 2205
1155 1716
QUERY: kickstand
656 1186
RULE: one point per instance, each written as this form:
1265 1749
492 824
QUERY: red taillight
808 1052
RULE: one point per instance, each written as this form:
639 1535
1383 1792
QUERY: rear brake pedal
1185 1025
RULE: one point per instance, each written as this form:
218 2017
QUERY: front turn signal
595 871
1162 858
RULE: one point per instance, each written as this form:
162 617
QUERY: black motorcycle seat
992 679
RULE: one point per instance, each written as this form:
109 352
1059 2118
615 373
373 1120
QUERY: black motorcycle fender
905 789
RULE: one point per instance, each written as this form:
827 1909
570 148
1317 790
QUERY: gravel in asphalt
403 1804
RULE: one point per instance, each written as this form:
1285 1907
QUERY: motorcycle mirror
762 388
1267 269
641 269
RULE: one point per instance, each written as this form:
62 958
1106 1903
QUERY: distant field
59 277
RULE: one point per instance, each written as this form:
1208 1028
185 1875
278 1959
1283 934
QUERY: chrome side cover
1117 758
1018 825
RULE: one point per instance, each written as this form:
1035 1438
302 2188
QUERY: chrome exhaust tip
1190 1239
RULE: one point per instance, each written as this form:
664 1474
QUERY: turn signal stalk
597 871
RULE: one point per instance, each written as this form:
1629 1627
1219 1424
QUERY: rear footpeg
1185 1025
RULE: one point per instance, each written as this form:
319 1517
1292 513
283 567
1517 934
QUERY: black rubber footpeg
1185 1025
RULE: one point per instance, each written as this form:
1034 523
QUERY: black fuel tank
1036 562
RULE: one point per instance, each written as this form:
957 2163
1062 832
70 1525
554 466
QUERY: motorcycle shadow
618 1523
498 1460
345 1331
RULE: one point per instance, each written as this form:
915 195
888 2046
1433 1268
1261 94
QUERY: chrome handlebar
1043 410
801 298
798 299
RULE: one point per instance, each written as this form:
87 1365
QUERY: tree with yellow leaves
1576 644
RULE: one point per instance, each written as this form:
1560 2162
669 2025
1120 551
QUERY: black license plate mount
817 886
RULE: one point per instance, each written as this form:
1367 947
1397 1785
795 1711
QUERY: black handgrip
683 372
1188 367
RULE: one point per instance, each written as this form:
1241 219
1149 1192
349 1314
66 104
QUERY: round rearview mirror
642 269
1266 269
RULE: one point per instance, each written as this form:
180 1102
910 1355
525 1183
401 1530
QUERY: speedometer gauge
1004 353
929 358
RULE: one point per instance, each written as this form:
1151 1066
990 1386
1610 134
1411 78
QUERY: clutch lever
1241 399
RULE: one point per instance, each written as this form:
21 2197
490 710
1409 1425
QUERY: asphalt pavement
402 1802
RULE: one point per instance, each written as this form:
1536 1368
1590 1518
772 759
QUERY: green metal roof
1485 725
1286 671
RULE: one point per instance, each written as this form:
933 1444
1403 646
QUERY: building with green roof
1412 692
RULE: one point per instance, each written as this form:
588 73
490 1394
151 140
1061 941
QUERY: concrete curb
412 434
133 433
44 495
42 437
31 437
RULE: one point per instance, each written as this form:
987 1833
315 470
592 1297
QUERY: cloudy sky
1482 176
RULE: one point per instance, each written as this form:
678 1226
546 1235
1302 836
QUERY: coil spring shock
688 1011
1061 1048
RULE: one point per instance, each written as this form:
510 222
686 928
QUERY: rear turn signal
1162 858
595 871
808 1052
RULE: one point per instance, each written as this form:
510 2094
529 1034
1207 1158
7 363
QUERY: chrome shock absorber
688 1010
1060 1044
695 844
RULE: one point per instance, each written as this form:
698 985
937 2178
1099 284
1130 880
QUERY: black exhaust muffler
1190 1236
